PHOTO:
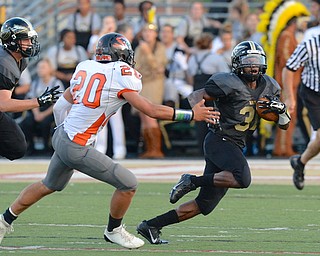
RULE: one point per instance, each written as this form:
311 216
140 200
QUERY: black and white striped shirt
307 55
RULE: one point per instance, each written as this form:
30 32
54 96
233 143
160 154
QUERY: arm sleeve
61 109
213 90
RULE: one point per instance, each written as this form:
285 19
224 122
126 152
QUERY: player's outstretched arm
198 113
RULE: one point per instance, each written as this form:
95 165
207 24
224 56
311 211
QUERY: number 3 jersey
237 103
97 90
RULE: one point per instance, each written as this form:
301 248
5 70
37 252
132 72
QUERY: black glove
49 96
273 105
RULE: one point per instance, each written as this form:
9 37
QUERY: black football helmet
113 47
15 29
248 54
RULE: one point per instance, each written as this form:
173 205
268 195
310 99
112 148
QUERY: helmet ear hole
5 35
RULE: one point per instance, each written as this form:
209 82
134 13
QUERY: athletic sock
9 217
299 162
113 223
168 218
202 181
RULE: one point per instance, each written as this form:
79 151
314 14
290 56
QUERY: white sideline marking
165 170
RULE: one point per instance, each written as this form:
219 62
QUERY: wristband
182 115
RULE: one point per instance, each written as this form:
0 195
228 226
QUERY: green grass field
264 219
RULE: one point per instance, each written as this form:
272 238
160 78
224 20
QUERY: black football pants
12 141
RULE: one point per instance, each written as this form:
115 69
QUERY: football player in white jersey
97 90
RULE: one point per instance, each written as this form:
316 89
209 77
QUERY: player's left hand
273 105
203 113
49 96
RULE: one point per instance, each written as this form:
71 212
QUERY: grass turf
264 219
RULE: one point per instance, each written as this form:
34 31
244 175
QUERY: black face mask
250 77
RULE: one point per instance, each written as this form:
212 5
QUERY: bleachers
49 16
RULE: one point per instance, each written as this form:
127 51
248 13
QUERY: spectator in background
250 28
315 13
202 64
65 56
20 92
175 84
243 5
220 10
314 24
109 25
84 22
286 44
23 88
147 11
227 43
127 30
39 121
119 10
235 17
151 59
193 25
302 26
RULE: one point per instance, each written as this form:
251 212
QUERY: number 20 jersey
97 90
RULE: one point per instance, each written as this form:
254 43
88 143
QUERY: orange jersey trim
82 138
119 95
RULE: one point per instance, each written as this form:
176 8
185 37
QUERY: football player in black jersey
235 95
19 42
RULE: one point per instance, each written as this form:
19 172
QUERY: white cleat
122 237
5 228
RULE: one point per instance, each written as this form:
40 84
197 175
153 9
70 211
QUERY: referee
307 55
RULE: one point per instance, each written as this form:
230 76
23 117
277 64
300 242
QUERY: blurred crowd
174 60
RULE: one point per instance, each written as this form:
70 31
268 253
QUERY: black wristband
174 114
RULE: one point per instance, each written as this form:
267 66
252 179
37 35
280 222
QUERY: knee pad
245 179
126 180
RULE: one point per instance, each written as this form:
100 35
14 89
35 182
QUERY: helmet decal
121 41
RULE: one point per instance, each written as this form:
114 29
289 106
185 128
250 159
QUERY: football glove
49 96
273 105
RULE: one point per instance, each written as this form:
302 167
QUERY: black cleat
183 187
298 174
152 234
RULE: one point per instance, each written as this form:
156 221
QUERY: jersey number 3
250 121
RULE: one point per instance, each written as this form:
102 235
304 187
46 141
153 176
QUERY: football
270 116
